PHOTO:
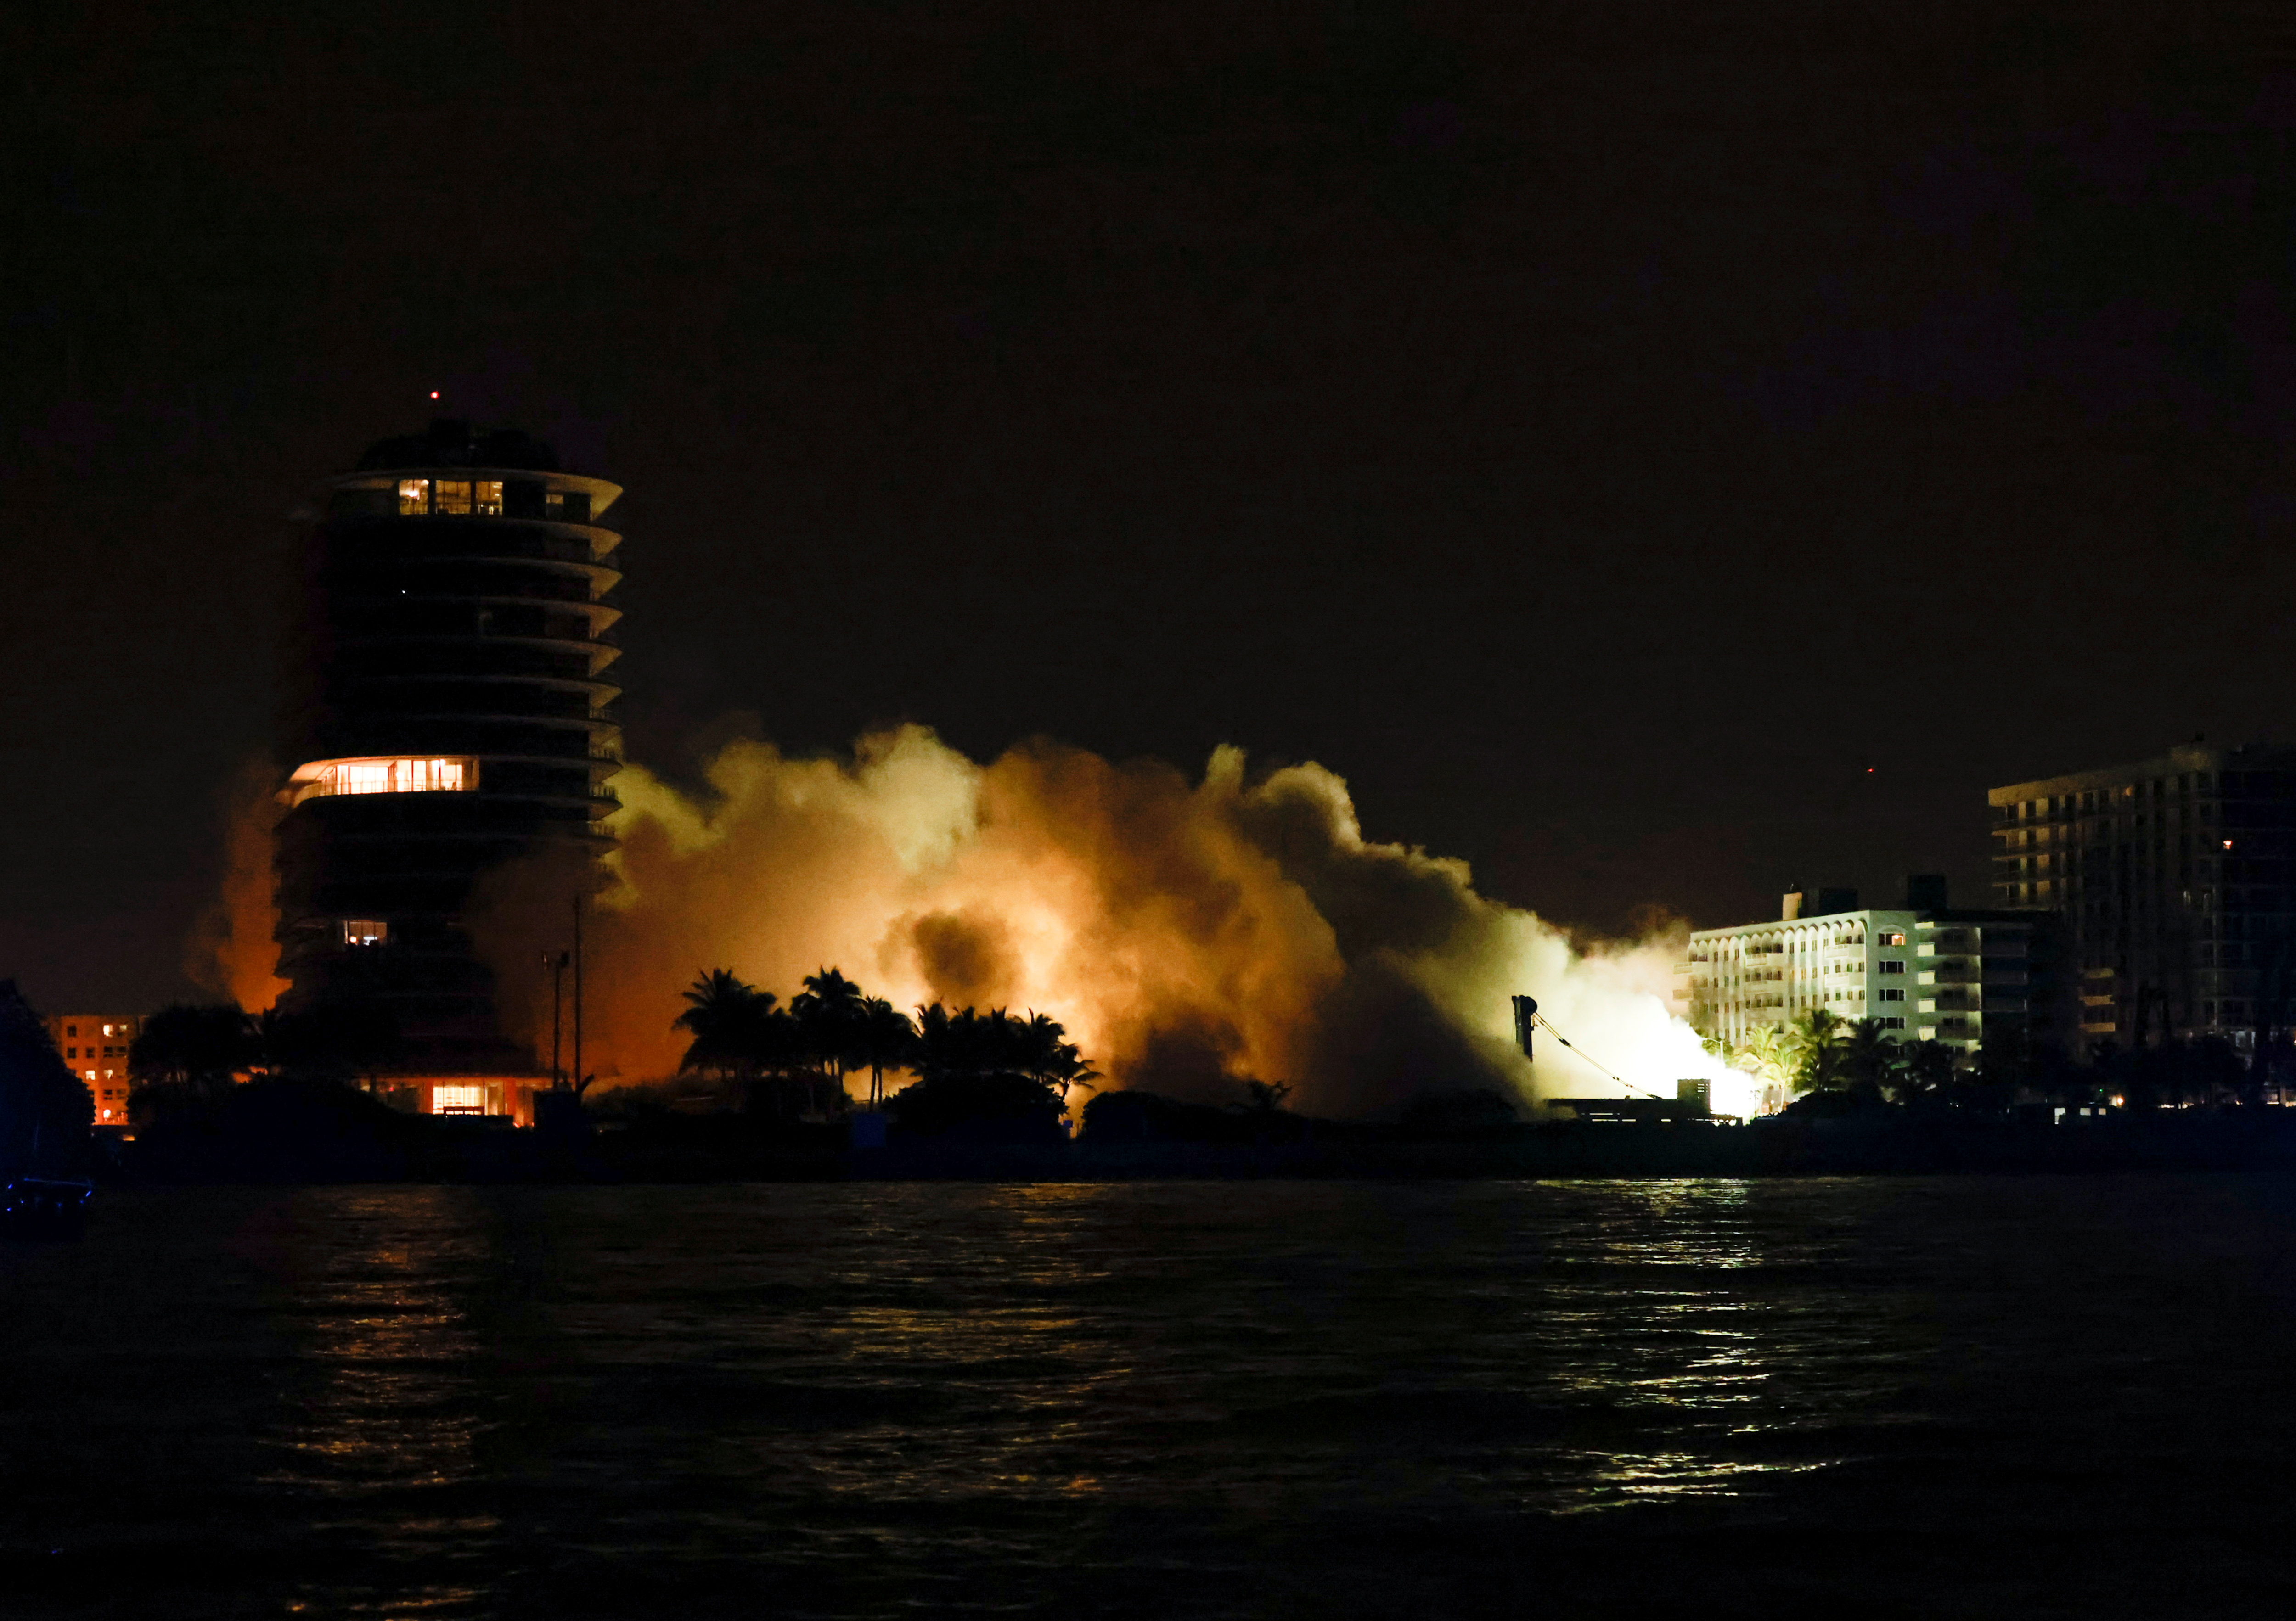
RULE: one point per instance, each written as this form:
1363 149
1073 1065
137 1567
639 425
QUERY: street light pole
557 961
578 994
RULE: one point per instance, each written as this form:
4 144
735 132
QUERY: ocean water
1879 1398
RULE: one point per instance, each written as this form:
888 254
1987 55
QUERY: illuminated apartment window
365 931
451 498
490 497
458 1100
414 498
384 775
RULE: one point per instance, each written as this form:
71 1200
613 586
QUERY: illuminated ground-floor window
458 1098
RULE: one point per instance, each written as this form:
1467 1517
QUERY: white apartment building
1926 974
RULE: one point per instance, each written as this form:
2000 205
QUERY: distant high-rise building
448 711
2173 877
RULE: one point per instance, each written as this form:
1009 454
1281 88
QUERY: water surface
1981 1397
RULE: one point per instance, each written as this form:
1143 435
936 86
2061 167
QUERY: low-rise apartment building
94 1048
1925 971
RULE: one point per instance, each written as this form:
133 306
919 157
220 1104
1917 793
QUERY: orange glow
231 951
383 774
1190 934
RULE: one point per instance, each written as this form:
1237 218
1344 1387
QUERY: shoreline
2190 1142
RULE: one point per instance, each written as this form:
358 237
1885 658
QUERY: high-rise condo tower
450 710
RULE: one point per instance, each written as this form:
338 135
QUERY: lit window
384 775
451 498
107 1029
490 498
458 1100
414 498
365 931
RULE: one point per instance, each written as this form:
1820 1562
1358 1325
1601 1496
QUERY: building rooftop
451 442
2190 757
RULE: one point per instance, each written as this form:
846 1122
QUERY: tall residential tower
2176 880
450 710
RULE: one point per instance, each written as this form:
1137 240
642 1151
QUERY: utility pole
578 995
556 963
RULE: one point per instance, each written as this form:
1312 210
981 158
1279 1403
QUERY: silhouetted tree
1870 1059
725 1017
1812 1047
886 1040
194 1051
831 1014
46 1111
1267 1097
994 1064
1925 1075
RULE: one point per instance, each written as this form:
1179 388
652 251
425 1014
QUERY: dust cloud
231 953
1192 934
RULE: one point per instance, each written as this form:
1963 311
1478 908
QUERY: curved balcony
589 727
506 657
599 612
494 540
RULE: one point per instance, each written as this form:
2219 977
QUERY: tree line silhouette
1836 1065
195 1052
968 1064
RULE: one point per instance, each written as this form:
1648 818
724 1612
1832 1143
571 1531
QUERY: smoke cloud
1191 934
231 951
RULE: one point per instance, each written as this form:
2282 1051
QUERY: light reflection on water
379 1436
1149 1399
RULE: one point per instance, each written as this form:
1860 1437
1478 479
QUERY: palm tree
887 1040
1870 1057
1812 1046
1767 1054
966 1043
728 1019
1927 1071
1049 1058
829 1012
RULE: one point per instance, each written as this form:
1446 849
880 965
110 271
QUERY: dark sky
1601 433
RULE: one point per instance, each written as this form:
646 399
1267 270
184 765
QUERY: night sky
1656 455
